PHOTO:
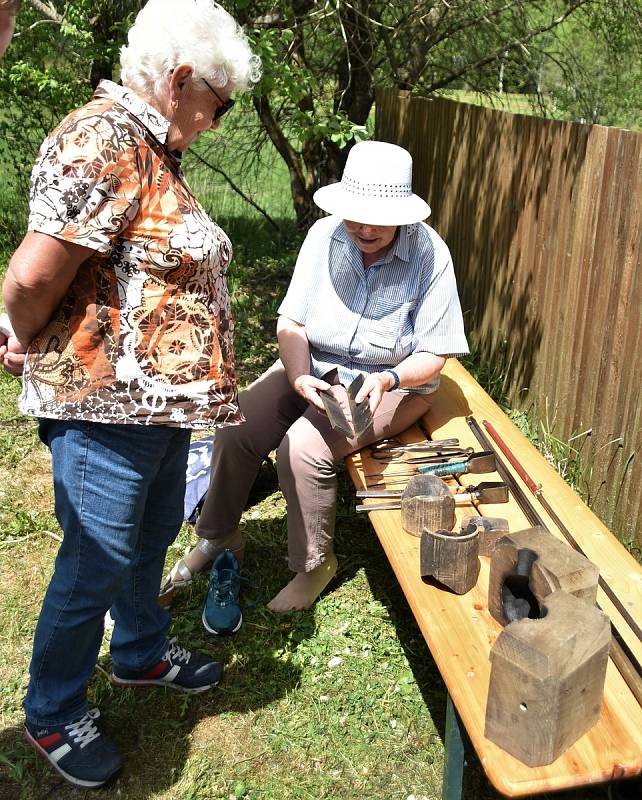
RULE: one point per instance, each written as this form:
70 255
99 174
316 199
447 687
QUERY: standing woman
117 296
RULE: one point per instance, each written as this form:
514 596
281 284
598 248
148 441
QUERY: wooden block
490 530
527 566
547 678
450 558
427 503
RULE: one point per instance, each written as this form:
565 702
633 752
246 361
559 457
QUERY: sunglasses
226 105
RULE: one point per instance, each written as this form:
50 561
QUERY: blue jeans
119 492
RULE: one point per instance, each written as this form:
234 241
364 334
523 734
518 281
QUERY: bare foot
305 587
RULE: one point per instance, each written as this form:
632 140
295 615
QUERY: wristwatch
395 385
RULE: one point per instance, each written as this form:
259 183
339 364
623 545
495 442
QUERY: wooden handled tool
485 492
441 464
475 463
427 445
424 457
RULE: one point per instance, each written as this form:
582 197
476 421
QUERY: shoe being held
178 669
221 611
78 750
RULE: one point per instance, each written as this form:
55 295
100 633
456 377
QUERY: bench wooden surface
459 629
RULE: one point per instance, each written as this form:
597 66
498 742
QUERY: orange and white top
144 332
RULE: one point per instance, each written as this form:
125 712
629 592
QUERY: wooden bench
460 631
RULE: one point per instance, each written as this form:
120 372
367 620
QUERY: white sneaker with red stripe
178 669
78 751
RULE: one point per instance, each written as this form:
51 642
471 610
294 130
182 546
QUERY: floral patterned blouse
144 333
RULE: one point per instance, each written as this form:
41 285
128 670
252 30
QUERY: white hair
167 33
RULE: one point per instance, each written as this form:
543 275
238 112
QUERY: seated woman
373 292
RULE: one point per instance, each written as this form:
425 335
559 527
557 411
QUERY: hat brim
371 210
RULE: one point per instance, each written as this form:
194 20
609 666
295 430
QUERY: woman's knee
297 456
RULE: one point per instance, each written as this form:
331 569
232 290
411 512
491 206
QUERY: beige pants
308 452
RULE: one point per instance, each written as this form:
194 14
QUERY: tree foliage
324 60
599 77
60 51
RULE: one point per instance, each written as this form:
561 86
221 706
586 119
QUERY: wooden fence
544 221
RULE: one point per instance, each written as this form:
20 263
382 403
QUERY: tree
324 61
322 64
600 77
59 53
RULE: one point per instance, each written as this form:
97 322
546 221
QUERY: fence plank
545 225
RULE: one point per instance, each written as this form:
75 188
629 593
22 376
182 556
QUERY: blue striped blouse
363 320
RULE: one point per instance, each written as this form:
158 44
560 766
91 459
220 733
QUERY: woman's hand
39 275
374 387
309 387
12 352
295 355
12 356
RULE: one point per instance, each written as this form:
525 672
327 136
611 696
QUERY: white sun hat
376 187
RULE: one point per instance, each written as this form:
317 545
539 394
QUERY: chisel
485 492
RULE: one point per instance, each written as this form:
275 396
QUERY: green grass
285 723
13 216
511 102
338 702
564 455
342 701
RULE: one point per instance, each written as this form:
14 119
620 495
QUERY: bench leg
454 755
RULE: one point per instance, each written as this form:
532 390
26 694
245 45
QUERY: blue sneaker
178 669
221 611
78 751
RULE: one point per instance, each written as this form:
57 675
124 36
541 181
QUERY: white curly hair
167 33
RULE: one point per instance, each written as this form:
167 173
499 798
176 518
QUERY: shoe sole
125 683
70 778
220 633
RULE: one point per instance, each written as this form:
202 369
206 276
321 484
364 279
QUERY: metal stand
454 760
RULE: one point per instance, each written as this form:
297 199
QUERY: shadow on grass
157 731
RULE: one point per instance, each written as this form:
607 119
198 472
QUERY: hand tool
394 445
477 463
427 457
485 492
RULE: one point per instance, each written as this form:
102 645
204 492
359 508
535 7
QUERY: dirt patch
29 484
231 735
